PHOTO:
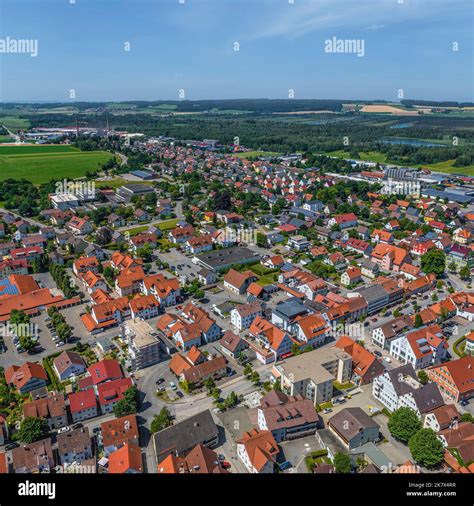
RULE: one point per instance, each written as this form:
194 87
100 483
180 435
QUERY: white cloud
304 16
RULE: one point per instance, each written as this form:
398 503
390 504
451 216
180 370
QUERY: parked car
64 429
221 457
180 394
10 446
377 353
464 402
225 464
95 430
285 465
159 381
78 426
173 385
327 410
388 359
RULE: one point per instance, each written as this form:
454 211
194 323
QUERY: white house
242 316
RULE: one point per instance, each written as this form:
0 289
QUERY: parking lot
297 450
175 258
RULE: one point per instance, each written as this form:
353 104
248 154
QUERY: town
221 311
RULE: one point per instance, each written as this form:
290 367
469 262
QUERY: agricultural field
375 156
41 163
14 123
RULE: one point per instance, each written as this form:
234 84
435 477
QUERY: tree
467 417
396 313
342 463
452 266
255 377
465 273
27 342
210 384
231 400
145 252
418 321
261 240
403 424
434 262
423 377
128 405
199 294
32 429
248 370
426 449
17 317
161 420
103 236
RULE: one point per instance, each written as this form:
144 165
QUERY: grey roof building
218 260
354 426
375 296
185 435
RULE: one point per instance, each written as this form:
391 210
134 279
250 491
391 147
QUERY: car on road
377 353
285 465
64 429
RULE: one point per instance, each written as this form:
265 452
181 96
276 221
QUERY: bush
342 463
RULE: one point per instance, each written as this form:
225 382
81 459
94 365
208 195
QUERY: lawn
266 280
39 164
168 224
136 230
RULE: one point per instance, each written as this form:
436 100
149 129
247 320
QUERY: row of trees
63 329
62 280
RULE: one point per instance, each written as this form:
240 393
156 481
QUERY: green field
253 154
375 156
14 123
40 164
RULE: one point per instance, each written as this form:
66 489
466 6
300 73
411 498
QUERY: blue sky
190 46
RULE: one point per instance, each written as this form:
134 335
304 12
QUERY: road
30 220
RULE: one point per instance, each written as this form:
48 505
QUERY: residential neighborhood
314 341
